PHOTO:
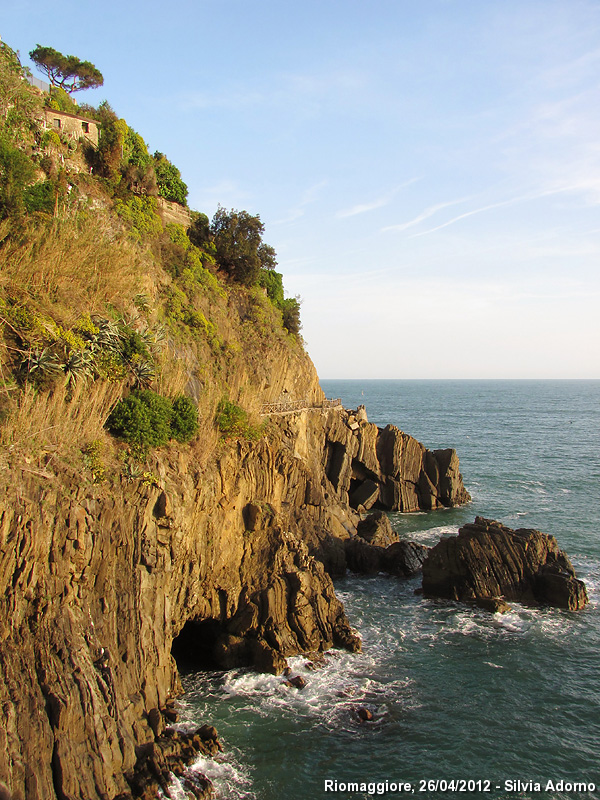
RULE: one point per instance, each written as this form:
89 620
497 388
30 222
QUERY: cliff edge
221 564
151 512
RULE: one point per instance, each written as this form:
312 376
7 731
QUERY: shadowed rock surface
377 548
489 560
225 562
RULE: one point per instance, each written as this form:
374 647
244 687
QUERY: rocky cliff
116 559
489 563
99 582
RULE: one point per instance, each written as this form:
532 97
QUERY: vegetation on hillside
114 324
66 72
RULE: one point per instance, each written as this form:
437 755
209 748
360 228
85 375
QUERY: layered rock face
377 548
487 561
97 582
388 469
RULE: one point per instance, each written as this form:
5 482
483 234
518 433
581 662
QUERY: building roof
56 112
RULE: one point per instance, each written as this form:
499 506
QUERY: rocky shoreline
229 563
104 593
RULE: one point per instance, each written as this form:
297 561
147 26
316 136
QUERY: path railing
298 405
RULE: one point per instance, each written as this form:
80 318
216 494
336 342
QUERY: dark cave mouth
194 647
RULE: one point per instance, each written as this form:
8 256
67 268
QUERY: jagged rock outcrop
376 529
169 755
98 582
488 561
376 547
386 468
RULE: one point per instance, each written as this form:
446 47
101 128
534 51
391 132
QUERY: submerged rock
487 560
494 604
297 682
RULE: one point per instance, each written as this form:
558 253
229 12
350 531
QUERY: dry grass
71 266
60 420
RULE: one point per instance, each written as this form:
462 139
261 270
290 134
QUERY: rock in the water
364 714
489 560
494 604
377 529
404 558
297 682
376 548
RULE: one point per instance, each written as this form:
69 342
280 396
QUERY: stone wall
71 125
173 212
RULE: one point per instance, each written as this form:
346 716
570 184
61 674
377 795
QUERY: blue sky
427 170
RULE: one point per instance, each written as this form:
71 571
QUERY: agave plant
78 365
141 301
147 335
131 471
108 336
40 363
160 336
142 372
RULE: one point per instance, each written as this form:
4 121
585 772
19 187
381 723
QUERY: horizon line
459 379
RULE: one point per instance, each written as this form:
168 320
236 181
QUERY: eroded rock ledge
230 560
490 563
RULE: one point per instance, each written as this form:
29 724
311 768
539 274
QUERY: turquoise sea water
456 693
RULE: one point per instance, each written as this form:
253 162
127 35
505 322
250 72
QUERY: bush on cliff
184 422
16 172
147 419
168 178
272 282
232 421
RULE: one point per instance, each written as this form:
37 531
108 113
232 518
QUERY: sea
465 703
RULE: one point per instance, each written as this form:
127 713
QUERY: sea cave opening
193 649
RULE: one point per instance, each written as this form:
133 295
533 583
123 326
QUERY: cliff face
97 583
113 562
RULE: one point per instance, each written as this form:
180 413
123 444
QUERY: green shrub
290 309
40 197
140 214
184 423
147 419
232 421
177 235
143 418
92 459
132 344
199 230
168 178
50 139
273 282
16 172
61 101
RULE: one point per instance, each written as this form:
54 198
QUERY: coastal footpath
225 560
175 488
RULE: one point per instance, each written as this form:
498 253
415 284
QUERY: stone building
71 125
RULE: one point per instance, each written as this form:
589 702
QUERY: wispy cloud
297 90
225 192
429 212
502 204
308 196
382 201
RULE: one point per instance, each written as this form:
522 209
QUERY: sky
428 171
